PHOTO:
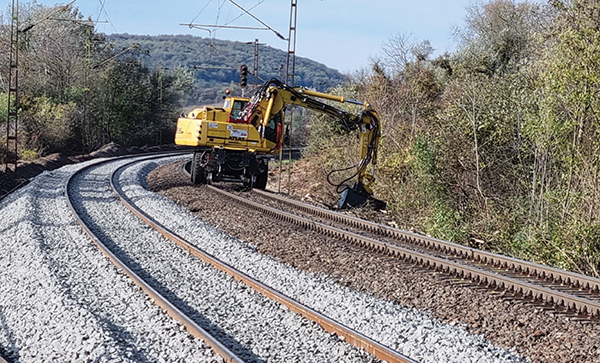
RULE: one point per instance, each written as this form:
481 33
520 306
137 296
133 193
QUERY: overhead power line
260 21
203 26
242 14
205 6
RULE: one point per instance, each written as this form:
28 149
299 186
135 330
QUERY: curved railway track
355 338
561 290
159 299
165 301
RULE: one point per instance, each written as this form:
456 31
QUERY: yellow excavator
235 142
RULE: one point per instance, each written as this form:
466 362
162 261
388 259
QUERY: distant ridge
187 51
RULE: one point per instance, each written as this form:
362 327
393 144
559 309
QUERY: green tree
566 194
79 91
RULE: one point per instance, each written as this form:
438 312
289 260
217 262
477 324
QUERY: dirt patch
310 185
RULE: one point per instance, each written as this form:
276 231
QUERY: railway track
564 291
78 294
162 291
534 329
393 326
159 298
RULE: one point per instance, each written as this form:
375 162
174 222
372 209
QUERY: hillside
170 51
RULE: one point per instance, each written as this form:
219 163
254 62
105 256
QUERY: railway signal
243 75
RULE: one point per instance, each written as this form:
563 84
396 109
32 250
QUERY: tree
78 91
498 34
565 192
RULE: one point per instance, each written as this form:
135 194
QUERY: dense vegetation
210 56
496 145
78 92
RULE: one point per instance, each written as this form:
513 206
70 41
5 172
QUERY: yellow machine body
221 126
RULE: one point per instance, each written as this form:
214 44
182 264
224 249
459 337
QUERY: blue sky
343 34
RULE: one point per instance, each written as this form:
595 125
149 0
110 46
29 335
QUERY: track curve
456 260
162 301
284 329
564 290
355 338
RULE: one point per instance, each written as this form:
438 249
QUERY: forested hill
170 51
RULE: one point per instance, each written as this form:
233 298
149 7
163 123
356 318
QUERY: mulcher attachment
357 196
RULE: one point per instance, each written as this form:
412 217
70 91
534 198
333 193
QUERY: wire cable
205 6
102 3
242 14
103 9
257 19
221 4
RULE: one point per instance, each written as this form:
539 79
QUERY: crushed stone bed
62 300
406 330
511 324
252 326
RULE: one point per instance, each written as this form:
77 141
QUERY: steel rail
353 337
191 326
18 186
573 279
521 267
491 279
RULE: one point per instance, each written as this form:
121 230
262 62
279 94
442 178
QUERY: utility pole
289 80
12 120
160 101
85 122
255 77
255 73
291 55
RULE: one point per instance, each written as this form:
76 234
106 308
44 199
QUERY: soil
513 324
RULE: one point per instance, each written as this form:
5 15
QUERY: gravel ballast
62 301
252 326
512 324
406 330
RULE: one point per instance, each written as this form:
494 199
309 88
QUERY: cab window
238 106
272 126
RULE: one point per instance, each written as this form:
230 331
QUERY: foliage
216 63
45 124
77 91
496 145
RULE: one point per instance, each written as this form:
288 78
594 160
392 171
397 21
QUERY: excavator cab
235 106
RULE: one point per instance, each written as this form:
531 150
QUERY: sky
342 34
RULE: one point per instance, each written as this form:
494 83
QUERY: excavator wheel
197 170
261 179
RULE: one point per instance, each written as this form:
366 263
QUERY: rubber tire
197 170
261 179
